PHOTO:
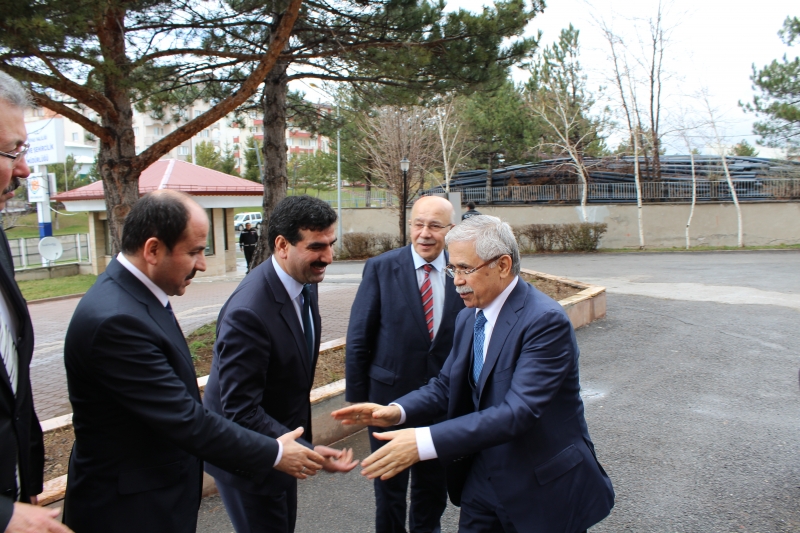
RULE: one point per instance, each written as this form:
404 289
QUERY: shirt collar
419 262
492 311
141 276
292 286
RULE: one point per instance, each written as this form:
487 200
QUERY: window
158 131
204 133
183 150
136 131
210 241
225 228
75 136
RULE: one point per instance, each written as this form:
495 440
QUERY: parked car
241 219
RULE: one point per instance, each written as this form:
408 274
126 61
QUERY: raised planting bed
583 303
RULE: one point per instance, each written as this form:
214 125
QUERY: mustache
464 289
13 185
190 276
319 264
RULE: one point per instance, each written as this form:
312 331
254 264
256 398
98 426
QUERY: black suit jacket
140 429
389 350
262 373
20 433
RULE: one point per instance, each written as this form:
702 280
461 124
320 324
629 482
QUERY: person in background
248 238
21 443
400 333
470 212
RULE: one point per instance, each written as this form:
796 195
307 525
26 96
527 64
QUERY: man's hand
369 414
392 458
336 460
32 519
297 460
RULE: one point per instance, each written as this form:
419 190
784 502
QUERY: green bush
579 237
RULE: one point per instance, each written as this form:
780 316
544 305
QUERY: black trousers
257 513
428 497
248 254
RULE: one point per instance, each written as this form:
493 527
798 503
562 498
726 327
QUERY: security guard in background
247 242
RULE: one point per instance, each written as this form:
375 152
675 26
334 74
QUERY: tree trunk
368 191
489 181
637 179
275 176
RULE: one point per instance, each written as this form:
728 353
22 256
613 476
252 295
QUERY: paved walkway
200 305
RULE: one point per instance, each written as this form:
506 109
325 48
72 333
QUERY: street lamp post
404 164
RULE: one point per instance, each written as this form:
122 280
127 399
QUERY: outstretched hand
368 414
395 456
336 460
33 519
297 460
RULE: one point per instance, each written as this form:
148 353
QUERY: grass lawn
50 288
27 226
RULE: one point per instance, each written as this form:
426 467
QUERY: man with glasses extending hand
515 442
21 445
400 332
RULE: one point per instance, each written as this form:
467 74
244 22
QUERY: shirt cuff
280 453
402 414
425 447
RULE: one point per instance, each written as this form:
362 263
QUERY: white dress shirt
436 276
425 446
294 289
164 299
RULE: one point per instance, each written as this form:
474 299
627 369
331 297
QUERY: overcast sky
712 46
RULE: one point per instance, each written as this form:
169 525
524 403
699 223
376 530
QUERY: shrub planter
583 307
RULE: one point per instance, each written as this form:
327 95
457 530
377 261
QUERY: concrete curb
56 298
582 308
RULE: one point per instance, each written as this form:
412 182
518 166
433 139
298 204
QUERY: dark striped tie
426 291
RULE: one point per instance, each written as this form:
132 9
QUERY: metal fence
373 198
25 252
747 190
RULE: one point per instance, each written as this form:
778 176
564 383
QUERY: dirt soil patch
554 289
57 449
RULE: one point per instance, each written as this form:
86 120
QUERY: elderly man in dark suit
400 333
141 433
21 446
515 442
268 336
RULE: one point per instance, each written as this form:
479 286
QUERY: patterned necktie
426 291
307 328
477 346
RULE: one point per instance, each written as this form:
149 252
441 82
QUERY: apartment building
148 128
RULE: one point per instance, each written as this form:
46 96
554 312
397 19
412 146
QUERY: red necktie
427 298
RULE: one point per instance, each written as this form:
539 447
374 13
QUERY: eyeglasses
451 270
435 228
16 155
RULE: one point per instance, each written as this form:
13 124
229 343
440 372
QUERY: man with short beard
268 336
141 433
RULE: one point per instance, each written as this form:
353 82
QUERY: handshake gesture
398 454
301 462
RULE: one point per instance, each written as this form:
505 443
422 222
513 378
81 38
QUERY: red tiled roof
177 175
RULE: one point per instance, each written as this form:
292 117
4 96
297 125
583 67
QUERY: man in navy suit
515 442
268 336
400 332
141 433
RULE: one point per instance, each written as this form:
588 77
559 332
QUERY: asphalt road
691 391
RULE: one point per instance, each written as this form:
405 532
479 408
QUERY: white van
241 219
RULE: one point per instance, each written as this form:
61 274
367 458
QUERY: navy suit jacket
529 424
140 429
389 350
262 373
20 433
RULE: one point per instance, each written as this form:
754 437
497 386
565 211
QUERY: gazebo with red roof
217 192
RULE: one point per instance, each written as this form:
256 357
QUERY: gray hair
492 238
12 92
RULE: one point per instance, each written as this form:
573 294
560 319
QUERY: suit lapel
289 315
505 323
406 278
157 312
16 304
461 392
